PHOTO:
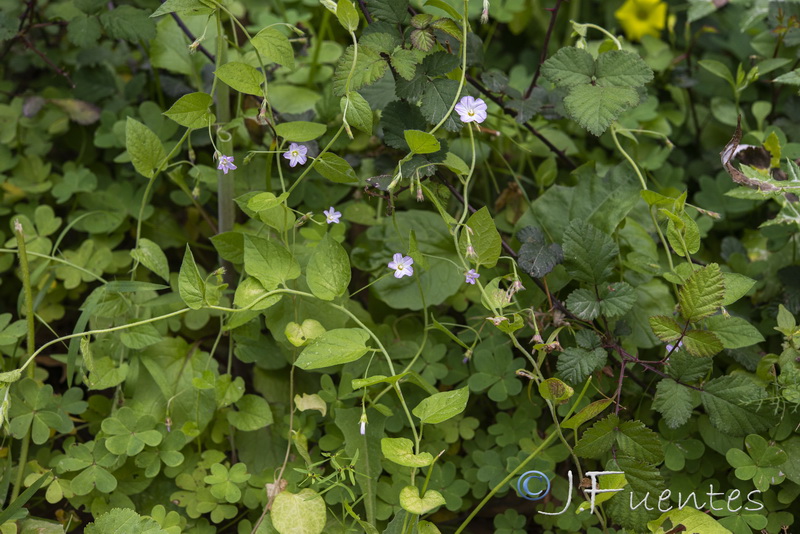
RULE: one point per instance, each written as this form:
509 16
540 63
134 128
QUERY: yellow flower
642 17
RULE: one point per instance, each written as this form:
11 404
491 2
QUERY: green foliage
187 349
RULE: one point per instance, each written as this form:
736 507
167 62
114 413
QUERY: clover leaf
496 372
598 91
130 432
93 461
760 463
37 408
225 483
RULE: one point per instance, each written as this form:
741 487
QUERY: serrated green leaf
621 68
437 98
144 147
674 402
702 294
569 67
390 11
405 62
666 328
595 107
129 23
575 364
83 31
328 272
241 77
183 7
357 112
370 67
598 439
274 47
536 257
584 304
335 169
732 403
589 254
702 343
398 117
638 441
334 347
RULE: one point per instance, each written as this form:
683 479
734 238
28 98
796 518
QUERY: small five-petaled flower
471 276
402 265
296 154
471 109
226 164
332 216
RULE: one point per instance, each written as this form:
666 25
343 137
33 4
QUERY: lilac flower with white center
402 265
226 164
471 276
671 348
296 154
332 216
471 109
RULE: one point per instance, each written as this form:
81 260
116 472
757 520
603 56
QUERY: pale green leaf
274 47
300 131
400 451
328 272
144 147
702 294
411 501
151 256
334 347
191 111
299 513
252 413
442 406
335 169
422 142
241 77
734 332
191 286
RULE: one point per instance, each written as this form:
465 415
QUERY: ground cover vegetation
399 266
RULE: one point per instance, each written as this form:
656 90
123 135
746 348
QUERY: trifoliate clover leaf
598 91
761 463
226 483
129 432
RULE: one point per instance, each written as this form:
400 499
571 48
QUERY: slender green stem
462 80
505 481
31 347
59 260
324 150
225 180
148 190
103 331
